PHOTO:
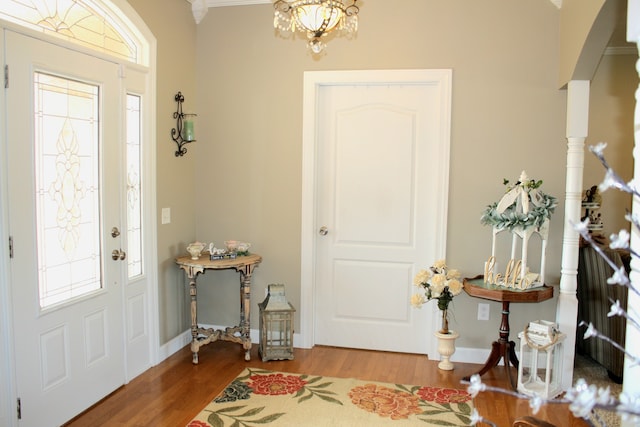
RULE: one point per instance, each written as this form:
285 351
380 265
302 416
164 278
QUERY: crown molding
557 3
220 3
199 8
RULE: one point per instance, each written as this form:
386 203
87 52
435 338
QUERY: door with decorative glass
68 266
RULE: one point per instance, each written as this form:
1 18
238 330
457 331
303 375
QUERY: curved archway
580 56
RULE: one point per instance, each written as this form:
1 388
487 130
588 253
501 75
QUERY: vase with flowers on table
441 283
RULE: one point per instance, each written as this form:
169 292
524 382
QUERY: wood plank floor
172 393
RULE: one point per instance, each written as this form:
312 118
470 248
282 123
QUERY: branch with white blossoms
617 310
591 331
621 240
620 276
582 400
611 179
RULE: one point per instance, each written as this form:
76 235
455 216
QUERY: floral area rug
259 397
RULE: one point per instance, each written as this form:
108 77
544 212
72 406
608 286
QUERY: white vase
446 348
195 249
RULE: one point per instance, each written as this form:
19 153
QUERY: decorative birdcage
524 210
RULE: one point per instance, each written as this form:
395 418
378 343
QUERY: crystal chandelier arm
282 6
351 10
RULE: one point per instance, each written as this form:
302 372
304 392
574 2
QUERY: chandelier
317 18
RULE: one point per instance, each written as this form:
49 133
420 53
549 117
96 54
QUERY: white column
632 341
567 308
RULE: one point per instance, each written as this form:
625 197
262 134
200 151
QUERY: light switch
483 311
166 215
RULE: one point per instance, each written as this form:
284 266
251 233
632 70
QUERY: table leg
193 294
502 349
192 273
245 310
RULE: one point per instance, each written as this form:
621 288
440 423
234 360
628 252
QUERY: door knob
323 230
118 254
115 232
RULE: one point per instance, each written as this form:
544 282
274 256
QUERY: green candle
187 130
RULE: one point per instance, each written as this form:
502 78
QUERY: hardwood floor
172 393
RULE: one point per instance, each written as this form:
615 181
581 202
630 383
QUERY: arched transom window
83 22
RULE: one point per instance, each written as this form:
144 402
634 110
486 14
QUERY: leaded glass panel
66 123
134 206
80 21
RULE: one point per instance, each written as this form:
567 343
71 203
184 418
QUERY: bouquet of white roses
439 282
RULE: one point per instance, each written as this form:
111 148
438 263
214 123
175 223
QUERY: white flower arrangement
438 282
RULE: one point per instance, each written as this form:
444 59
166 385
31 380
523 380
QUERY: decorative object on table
184 132
276 325
243 248
220 253
522 211
237 248
231 245
316 18
259 397
438 282
541 352
195 249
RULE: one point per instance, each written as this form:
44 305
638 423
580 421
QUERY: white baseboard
473 355
462 354
174 345
469 355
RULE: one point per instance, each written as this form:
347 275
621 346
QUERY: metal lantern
540 369
276 325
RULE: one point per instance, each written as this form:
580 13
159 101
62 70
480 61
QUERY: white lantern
540 369
276 325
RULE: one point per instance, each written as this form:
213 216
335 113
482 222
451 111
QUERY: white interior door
381 198
64 179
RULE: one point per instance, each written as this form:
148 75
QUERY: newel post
567 308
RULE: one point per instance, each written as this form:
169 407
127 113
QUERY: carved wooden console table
239 334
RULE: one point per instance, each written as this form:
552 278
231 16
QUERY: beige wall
611 120
175 32
508 115
241 179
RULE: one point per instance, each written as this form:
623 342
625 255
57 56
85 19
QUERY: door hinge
6 76
19 409
10 247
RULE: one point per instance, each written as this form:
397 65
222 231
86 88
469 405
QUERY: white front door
382 150
64 152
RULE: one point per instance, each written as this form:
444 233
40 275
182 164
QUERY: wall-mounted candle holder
183 133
